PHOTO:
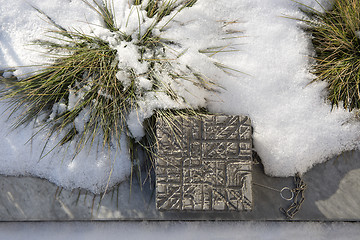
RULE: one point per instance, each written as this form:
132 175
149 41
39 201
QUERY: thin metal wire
274 189
279 191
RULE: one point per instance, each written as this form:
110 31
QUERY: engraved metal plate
204 163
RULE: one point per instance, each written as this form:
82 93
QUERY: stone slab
204 163
332 194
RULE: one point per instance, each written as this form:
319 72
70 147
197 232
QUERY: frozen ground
176 230
294 127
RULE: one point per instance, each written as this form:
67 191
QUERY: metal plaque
204 163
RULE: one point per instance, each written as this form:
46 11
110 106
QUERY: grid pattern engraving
204 164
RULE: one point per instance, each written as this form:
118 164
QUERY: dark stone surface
332 195
204 163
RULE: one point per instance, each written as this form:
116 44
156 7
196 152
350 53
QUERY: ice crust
294 126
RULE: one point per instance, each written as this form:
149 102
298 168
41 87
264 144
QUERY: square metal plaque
204 163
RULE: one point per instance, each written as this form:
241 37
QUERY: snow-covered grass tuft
108 81
335 37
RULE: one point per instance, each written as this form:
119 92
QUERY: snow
20 155
128 56
358 34
294 125
180 230
21 24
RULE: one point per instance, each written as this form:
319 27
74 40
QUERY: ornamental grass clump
336 40
97 83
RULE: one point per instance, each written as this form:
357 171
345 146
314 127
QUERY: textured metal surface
204 163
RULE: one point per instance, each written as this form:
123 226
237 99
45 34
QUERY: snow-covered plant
335 37
102 82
